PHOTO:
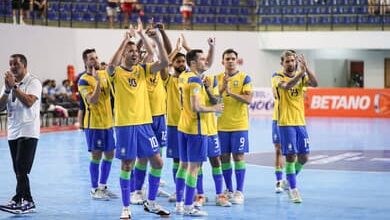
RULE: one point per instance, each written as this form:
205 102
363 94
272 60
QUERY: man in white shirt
21 94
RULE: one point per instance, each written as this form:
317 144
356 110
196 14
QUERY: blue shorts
234 142
192 147
172 142
213 146
294 140
135 141
275 132
160 129
100 139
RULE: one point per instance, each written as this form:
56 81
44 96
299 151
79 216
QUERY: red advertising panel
372 103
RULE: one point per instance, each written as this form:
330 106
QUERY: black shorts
21 4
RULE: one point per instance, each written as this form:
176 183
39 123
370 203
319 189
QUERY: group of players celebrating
153 96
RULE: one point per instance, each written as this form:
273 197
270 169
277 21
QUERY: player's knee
238 157
215 161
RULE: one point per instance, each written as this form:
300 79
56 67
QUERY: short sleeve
247 84
195 85
34 88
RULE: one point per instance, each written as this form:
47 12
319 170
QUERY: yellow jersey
157 94
274 92
235 113
173 100
291 110
99 115
210 117
131 95
191 122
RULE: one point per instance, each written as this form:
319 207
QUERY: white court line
381 159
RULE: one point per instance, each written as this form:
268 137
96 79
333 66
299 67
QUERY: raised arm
167 42
185 43
162 61
117 57
210 54
312 79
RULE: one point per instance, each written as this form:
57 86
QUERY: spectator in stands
21 6
64 93
384 6
40 8
48 91
373 6
186 11
127 8
112 8
138 8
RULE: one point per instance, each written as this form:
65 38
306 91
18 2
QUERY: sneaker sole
15 212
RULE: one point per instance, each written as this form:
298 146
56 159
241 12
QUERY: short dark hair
88 51
287 53
179 55
192 55
227 51
21 57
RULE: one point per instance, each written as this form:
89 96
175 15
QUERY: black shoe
27 207
153 207
12 207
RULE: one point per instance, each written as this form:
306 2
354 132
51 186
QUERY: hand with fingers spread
302 63
139 26
185 43
178 44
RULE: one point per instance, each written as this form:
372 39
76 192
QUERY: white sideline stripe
381 159
317 157
355 158
335 158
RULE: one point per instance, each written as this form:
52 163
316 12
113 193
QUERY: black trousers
23 153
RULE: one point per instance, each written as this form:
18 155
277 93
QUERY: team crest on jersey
196 90
123 151
235 83
84 91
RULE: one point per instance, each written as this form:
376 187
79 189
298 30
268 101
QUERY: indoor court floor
347 177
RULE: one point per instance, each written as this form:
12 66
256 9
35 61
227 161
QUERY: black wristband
7 92
15 87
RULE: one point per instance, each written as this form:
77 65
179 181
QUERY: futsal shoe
278 187
162 193
179 208
11 207
222 200
238 198
109 193
194 212
172 197
153 207
98 194
137 197
200 200
27 207
285 185
295 196
126 214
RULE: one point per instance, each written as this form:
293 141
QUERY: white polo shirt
24 121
